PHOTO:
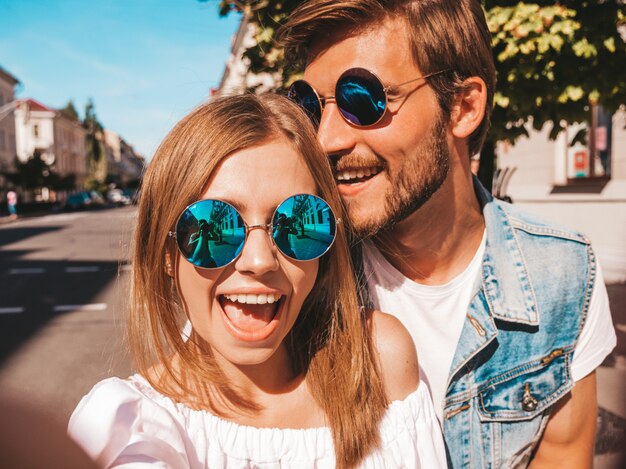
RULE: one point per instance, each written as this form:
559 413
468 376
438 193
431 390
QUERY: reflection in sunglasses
211 233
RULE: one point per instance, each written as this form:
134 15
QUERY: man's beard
417 179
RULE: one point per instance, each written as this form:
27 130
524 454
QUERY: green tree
96 159
35 173
553 60
70 111
94 132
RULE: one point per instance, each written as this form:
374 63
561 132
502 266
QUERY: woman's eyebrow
240 205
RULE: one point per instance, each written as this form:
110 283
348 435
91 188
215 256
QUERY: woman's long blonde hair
330 342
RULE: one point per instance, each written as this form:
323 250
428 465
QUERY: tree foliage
36 173
70 111
94 133
553 59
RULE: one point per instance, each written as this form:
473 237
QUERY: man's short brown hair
450 35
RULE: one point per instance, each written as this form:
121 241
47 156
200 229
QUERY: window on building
35 130
589 148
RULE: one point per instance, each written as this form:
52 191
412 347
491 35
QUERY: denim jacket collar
508 290
503 291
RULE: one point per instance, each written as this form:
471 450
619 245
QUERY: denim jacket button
529 403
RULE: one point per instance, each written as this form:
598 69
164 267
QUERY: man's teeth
250 299
356 173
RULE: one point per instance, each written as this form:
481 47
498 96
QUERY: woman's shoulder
116 398
397 355
118 411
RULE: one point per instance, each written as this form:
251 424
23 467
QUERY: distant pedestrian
12 203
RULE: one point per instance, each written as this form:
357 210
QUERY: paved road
63 285
61 305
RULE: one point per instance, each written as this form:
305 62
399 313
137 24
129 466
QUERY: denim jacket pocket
527 390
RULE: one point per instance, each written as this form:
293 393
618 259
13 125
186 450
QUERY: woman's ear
469 107
169 269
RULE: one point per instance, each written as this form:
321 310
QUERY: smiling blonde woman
280 366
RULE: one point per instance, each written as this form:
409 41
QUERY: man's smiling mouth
356 175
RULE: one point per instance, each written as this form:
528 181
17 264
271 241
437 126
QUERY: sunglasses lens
360 97
304 96
304 227
210 233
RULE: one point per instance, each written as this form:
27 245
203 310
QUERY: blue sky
145 63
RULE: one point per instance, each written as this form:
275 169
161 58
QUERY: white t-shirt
434 316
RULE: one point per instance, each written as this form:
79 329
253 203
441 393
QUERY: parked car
118 197
84 200
133 195
96 199
78 201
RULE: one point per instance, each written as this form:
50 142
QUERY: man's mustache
355 161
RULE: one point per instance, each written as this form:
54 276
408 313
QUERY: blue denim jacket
513 360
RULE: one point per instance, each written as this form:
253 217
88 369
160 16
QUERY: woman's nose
259 254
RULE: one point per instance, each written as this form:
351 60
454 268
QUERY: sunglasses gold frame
267 227
323 100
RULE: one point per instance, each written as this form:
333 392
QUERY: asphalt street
63 284
63 292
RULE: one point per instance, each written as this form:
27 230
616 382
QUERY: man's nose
334 133
259 253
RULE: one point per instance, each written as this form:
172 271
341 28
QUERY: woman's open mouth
251 317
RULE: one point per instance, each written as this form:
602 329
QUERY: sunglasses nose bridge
267 227
257 258
264 226
327 99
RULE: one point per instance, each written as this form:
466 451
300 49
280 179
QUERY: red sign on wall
580 161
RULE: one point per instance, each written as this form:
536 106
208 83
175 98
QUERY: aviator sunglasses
211 233
359 94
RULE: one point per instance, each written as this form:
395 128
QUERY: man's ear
169 268
469 107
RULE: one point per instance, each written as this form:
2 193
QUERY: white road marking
620 327
89 307
76 270
12 310
29 270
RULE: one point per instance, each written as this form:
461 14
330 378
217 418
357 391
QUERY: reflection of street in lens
313 243
228 248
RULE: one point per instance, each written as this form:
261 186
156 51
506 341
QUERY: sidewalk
6 219
611 378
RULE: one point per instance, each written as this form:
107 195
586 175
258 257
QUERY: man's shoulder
525 221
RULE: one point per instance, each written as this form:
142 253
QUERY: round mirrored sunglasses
211 233
360 95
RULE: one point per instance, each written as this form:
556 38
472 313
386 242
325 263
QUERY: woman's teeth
360 173
251 299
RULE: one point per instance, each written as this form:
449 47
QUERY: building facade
7 121
124 165
580 185
59 139
70 151
237 78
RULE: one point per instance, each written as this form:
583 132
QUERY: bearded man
509 314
